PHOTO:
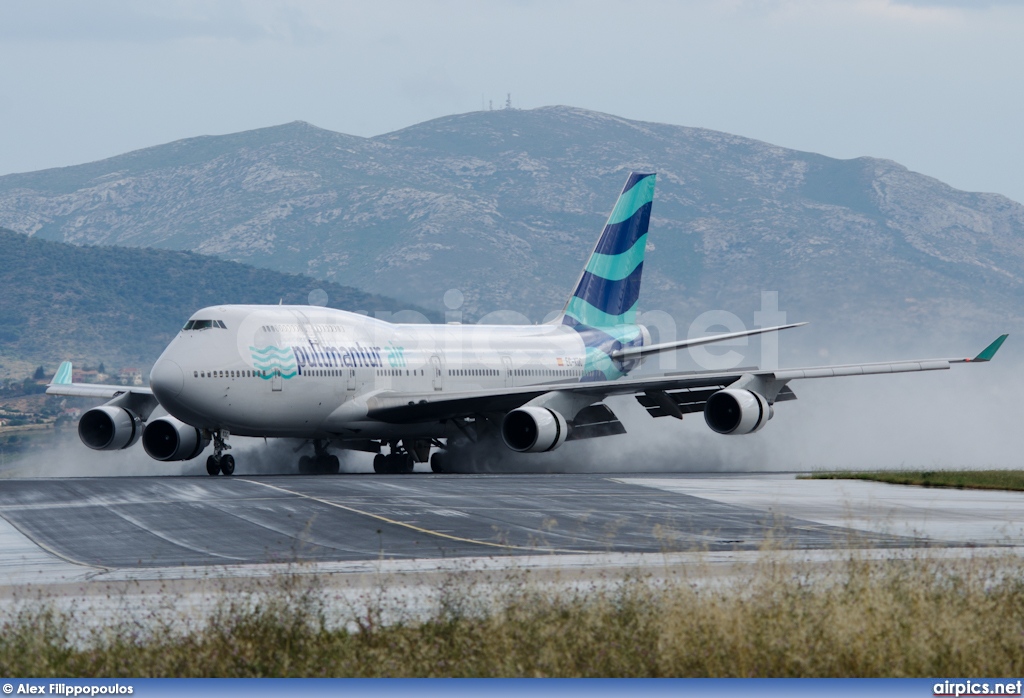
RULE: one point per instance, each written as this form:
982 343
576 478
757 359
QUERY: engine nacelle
534 429
109 428
737 411
168 438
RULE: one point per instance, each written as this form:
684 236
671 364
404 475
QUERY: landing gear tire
393 464
213 465
305 465
227 465
405 463
438 462
333 466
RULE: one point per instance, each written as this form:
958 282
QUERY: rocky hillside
122 306
506 205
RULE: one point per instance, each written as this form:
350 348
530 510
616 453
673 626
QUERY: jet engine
534 429
168 438
737 411
109 428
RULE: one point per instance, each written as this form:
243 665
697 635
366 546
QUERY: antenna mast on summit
508 101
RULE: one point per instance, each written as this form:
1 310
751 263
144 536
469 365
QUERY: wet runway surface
129 522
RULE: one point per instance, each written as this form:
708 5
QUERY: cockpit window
204 324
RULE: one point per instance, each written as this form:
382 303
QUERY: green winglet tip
63 375
990 351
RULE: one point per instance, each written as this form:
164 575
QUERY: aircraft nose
166 379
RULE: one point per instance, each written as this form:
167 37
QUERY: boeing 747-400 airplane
345 381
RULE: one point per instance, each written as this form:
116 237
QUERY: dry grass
962 479
897 618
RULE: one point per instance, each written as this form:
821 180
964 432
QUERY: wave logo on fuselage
274 360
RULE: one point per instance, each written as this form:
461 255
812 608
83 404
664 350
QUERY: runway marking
410 526
52 551
169 539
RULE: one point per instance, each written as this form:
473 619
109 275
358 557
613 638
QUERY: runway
172 549
138 525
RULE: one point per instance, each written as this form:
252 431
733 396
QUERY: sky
936 85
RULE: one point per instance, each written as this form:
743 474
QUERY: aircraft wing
667 395
95 390
137 398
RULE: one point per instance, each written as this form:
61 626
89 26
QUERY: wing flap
690 400
595 421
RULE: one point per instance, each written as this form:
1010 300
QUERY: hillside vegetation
506 205
961 479
122 306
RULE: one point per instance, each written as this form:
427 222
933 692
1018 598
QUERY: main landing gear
321 462
440 462
400 460
220 462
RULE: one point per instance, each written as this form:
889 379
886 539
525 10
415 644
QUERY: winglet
990 351
63 375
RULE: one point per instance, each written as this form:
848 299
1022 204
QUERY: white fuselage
301 371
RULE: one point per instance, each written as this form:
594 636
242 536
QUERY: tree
40 374
102 368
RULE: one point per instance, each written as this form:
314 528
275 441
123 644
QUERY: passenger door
435 365
506 368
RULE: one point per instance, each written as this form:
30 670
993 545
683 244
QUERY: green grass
776 619
962 479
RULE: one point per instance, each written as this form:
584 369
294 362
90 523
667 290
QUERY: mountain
506 205
122 306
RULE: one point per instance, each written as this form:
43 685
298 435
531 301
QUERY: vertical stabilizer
609 287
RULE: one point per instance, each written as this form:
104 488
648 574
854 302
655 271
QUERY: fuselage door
506 368
435 366
276 383
351 379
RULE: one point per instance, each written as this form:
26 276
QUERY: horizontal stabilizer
637 352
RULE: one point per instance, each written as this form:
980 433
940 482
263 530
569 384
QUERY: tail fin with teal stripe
603 306
609 288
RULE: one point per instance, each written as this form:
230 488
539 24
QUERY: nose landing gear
225 464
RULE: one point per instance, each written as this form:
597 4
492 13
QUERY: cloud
120 21
963 4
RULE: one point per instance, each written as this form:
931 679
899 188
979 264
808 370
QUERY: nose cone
166 379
